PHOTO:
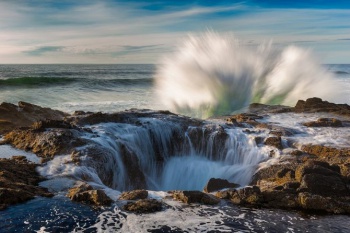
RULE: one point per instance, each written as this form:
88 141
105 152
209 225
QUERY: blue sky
111 31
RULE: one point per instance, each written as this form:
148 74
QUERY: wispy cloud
44 49
109 31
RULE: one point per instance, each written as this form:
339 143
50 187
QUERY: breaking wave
215 74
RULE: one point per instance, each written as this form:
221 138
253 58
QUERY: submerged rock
134 195
215 184
19 181
144 206
84 193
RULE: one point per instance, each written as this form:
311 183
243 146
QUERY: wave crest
215 74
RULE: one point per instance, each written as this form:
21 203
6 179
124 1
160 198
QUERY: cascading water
162 154
216 74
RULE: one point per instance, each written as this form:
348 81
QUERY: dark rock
291 186
84 193
270 173
225 194
247 196
318 105
280 199
43 125
218 184
19 181
323 185
199 137
134 195
195 197
24 115
324 122
315 167
144 206
275 142
131 162
310 201
297 153
46 144
242 119
263 108
325 151
345 171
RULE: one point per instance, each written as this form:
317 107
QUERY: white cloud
94 32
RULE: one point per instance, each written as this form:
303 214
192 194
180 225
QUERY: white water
165 163
214 74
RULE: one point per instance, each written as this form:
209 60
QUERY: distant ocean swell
39 82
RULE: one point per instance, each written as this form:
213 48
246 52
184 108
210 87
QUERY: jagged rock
131 163
24 115
318 105
244 118
19 181
323 185
200 136
43 125
324 122
195 197
296 153
263 108
325 151
218 184
225 194
86 194
274 141
345 171
280 199
274 173
247 196
144 206
134 195
316 167
46 144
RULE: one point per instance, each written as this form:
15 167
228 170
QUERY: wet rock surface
315 104
316 177
324 122
144 206
134 195
24 115
86 194
216 184
189 197
19 181
311 185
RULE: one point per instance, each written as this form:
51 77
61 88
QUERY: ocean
106 88
206 78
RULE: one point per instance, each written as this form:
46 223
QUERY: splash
214 74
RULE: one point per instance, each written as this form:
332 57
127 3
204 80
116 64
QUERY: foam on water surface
7 151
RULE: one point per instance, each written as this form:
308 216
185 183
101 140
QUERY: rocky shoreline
313 177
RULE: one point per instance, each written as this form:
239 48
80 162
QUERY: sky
115 31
